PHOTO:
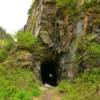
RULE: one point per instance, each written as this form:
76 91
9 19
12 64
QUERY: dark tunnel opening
49 72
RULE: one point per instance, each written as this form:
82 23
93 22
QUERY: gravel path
50 94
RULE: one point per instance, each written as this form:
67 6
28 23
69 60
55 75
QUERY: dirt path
50 94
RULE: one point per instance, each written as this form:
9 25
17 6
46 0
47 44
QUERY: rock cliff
61 29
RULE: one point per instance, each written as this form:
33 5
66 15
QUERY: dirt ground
50 94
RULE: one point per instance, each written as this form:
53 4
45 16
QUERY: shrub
17 84
3 54
69 3
84 87
26 39
6 45
91 49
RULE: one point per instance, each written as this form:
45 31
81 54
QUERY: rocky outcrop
61 29
20 59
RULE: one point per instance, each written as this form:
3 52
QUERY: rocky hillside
59 46
67 28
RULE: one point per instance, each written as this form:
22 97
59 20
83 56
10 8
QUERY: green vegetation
75 3
6 44
89 50
17 58
17 84
85 87
69 3
3 54
32 6
26 39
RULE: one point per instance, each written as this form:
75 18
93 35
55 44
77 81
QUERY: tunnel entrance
49 72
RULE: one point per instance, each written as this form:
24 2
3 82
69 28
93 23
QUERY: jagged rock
44 36
61 32
25 59
19 59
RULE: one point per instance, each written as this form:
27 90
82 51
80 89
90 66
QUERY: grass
85 87
17 84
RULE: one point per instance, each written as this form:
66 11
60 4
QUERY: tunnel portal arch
49 72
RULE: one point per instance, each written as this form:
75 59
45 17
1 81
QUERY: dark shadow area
49 72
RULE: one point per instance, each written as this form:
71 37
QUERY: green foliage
17 84
91 48
85 86
3 43
3 54
26 39
92 76
69 3
6 45
31 8
94 48
77 3
82 88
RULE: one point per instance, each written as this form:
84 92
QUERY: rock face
25 59
20 59
61 32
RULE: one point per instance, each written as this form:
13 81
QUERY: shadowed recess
49 72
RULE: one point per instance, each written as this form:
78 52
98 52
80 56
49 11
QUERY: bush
94 48
72 3
17 84
89 51
84 87
26 39
6 45
9 42
3 54
69 3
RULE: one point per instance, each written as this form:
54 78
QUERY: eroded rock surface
61 31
